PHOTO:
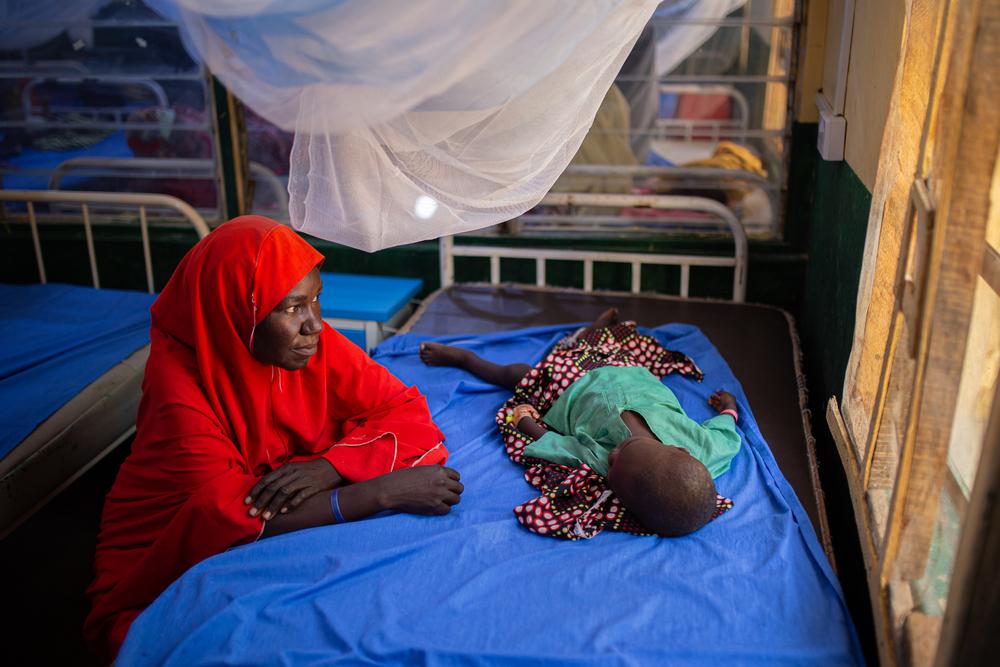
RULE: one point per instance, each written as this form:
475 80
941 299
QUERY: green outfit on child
587 418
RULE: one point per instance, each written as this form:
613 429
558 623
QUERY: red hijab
213 420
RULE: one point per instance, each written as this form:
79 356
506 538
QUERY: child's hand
524 410
722 400
525 418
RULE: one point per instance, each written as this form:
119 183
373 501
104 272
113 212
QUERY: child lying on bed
607 415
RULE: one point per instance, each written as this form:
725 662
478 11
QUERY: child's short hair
669 491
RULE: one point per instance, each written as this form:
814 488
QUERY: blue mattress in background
474 587
32 160
54 341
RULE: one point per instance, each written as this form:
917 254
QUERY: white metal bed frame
195 168
85 200
711 81
449 250
119 113
716 128
682 129
690 178
53 454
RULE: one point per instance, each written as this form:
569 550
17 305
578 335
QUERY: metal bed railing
154 167
85 200
686 178
450 250
118 113
743 70
714 129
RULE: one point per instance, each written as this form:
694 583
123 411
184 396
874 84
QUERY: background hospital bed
758 342
101 416
700 74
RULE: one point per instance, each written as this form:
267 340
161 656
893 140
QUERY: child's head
668 490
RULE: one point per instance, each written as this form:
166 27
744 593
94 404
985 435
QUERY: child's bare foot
607 318
722 400
436 354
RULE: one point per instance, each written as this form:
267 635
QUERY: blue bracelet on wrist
338 517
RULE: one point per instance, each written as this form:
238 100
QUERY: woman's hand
286 488
722 400
421 490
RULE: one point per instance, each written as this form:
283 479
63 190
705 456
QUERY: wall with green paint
836 240
831 206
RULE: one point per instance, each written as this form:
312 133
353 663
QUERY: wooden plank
900 155
848 457
900 597
872 445
835 15
776 94
991 266
809 73
920 638
877 593
968 633
875 51
968 137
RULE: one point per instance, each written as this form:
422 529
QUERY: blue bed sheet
32 160
473 587
54 341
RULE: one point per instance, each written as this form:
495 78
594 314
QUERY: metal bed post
85 200
447 261
36 241
89 233
673 202
739 260
691 177
28 108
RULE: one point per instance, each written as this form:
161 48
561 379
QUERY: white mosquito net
414 120
695 25
28 23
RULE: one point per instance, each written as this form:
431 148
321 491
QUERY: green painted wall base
833 206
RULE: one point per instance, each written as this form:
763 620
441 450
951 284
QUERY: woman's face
289 335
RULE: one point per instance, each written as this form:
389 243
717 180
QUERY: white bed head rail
84 200
715 128
690 178
120 113
449 250
154 167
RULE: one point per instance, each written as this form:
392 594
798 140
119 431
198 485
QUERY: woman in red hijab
256 419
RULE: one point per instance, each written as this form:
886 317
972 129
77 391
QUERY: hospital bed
74 356
721 72
772 375
674 141
474 587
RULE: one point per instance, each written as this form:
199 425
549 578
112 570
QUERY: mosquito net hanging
414 120
684 26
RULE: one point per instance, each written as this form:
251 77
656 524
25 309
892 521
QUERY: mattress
70 373
758 342
474 587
